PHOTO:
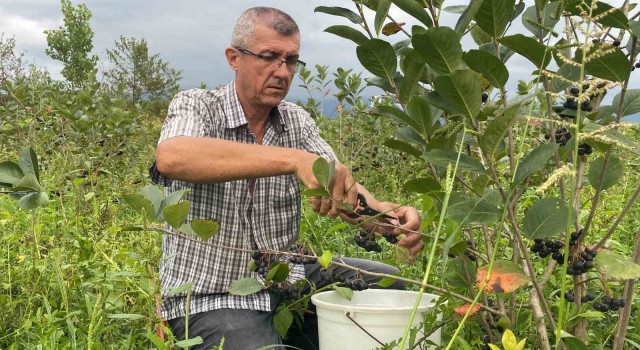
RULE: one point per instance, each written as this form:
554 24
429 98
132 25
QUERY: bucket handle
348 314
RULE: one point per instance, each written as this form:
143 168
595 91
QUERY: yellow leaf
520 345
493 347
391 28
509 340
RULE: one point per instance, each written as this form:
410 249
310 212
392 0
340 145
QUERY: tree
72 43
144 77
10 62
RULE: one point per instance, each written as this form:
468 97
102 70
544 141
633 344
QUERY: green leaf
492 140
413 71
546 218
28 162
340 11
614 267
172 198
529 48
473 211
348 33
386 282
534 161
459 9
634 28
437 101
346 293
157 342
610 175
631 103
440 48
282 320
441 157
187 343
155 195
420 112
413 8
204 228
32 201
614 17
315 192
612 66
398 115
245 286
323 171
494 15
573 343
325 259
548 20
187 230
10 173
132 228
489 66
455 272
467 16
378 57
142 205
278 272
381 14
183 288
125 316
176 214
462 89
29 182
423 185
568 72
402 147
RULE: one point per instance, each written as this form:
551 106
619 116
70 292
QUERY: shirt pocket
286 191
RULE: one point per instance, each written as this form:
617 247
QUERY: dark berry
256 255
575 236
616 43
588 265
485 97
595 41
568 296
590 297
637 64
606 299
574 91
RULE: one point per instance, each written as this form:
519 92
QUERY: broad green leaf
381 14
610 175
142 205
473 211
467 16
172 198
436 100
529 48
546 218
325 259
378 57
419 110
398 115
278 272
459 9
492 140
29 182
423 185
568 72
634 28
612 136
455 273
245 286
548 21
534 161
489 66
187 343
346 293
340 11
479 36
323 171
461 89
28 162
125 316
614 17
157 342
155 195
413 8
631 103
494 15
282 320
413 72
386 282
441 157
10 173
187 230
440 48
573 343
204 228
313 192
612 66
32 201
409 135
614 267
183 288
176 214
402 147
505 277
348 33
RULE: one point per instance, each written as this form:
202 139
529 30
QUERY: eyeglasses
294 65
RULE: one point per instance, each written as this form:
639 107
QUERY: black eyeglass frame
272 59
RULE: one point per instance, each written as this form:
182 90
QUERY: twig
625 314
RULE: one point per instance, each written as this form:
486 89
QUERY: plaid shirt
268 219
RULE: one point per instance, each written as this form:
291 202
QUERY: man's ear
232 57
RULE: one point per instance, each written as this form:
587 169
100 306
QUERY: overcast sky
192 34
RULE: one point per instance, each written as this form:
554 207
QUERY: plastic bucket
382 313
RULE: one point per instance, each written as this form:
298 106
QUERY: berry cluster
367 240
356 283
568 296
301 256
562 136
583 263
262 262
285 291
584 149
608 303
547 247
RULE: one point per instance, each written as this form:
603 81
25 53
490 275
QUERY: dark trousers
249 329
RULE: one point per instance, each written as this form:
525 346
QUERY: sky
192 34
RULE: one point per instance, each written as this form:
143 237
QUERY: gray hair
271 17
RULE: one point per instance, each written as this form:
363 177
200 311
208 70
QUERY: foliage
72 43
10 61
138 75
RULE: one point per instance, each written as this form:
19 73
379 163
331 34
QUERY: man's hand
407 220
342 189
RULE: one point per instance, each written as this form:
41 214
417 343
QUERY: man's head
264 54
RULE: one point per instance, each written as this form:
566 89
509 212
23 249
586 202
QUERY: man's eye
291 60
269 58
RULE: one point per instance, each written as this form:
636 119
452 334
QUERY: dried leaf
462 310
505 277
392 28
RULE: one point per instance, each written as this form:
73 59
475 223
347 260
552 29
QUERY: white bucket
381 312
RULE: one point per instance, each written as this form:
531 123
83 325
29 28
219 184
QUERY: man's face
263 83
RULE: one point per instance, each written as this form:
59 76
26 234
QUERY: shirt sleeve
186 116
313 142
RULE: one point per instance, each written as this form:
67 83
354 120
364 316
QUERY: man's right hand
342 189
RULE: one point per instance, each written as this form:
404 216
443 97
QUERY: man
241 151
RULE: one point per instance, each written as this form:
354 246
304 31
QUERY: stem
399 26
538 315
364 21
625 314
